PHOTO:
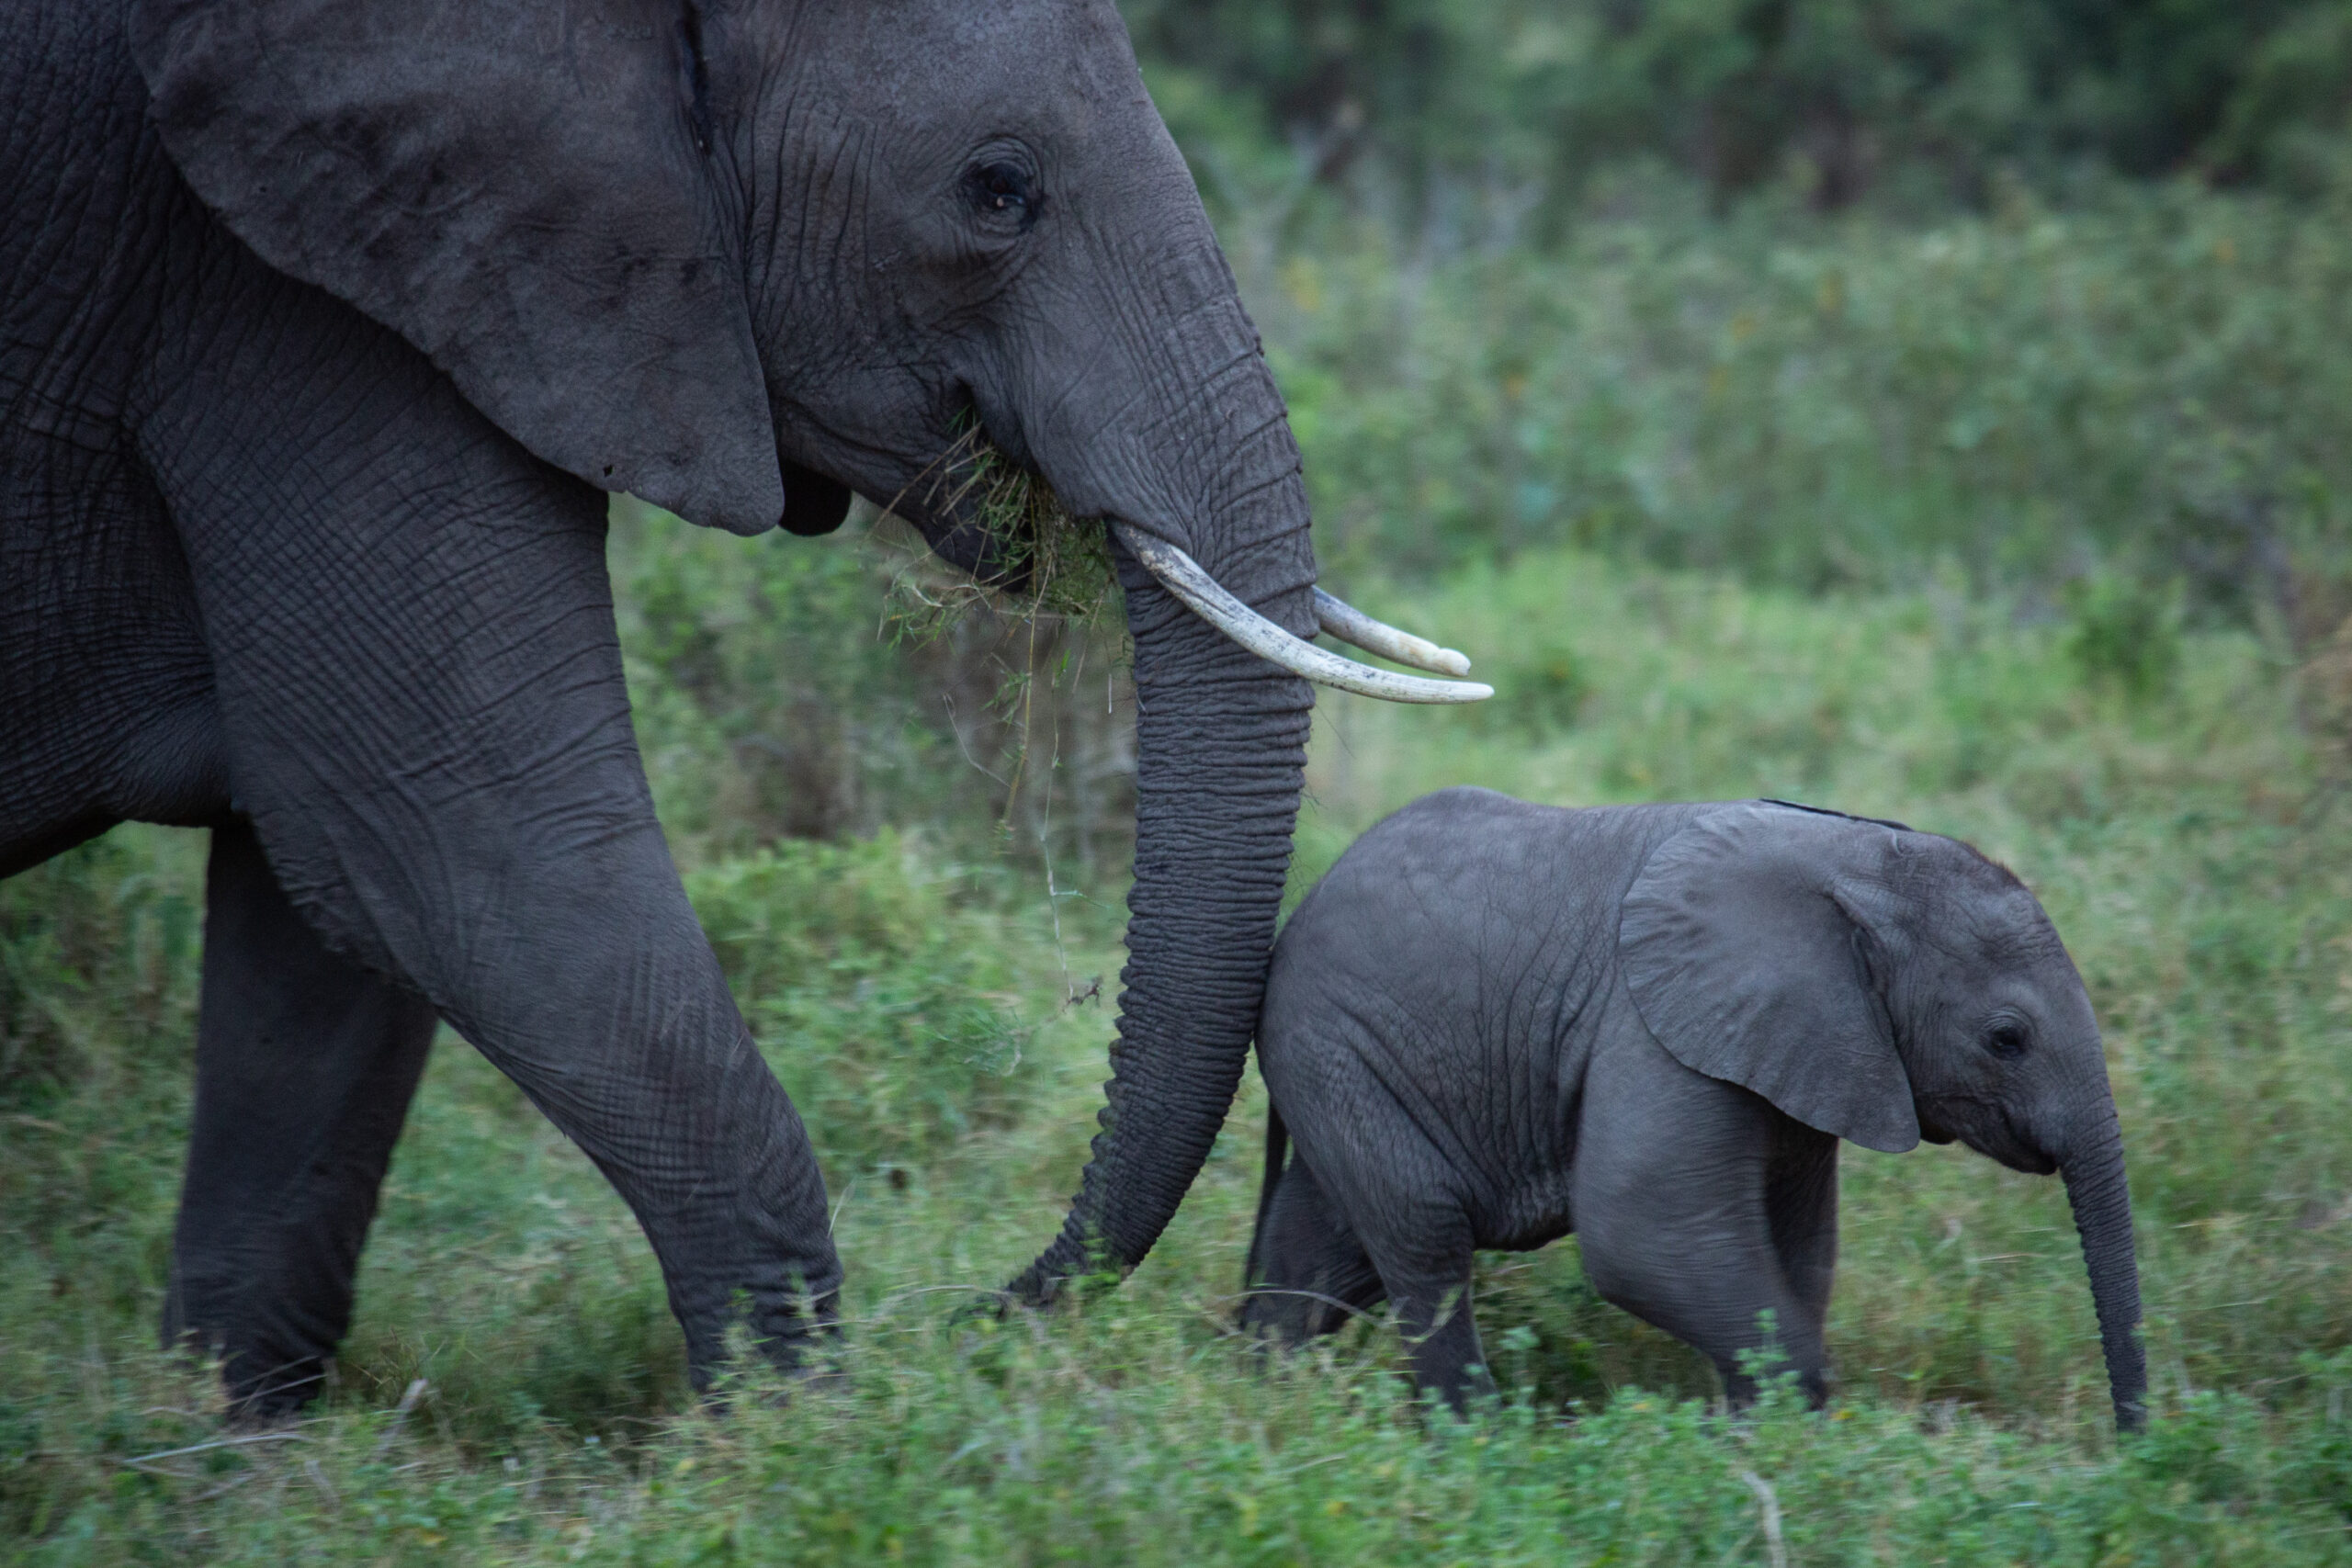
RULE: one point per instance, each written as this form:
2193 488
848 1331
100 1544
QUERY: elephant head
743 259
1882 985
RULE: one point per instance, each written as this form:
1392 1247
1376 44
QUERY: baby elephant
1495 1022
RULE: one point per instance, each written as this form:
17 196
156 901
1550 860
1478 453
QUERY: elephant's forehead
2006 926
1046 59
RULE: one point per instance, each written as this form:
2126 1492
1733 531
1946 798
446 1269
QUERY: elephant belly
1540 1228
1528 1209
107 710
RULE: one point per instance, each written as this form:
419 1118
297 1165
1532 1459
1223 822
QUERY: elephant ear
516 187
1741 946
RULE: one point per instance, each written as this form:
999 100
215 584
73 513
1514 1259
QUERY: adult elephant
327 323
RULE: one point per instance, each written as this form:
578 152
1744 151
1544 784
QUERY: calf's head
1883 986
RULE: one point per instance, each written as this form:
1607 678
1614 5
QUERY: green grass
2181 821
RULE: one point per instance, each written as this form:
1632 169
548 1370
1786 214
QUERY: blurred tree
1412 103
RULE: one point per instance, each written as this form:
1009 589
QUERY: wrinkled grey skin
326 326
1493 1023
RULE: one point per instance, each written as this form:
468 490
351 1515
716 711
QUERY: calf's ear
522 188
1744 956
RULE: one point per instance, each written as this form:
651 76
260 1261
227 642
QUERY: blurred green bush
2157 385
784 689
887 1003
1472 118
97 953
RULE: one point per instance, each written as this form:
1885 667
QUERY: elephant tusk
1349 625
1208 597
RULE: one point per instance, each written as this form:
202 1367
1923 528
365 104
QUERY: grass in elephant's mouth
1047 563
1048 580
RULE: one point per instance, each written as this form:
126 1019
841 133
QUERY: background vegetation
2001 488
1491 118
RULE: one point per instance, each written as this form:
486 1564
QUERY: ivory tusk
1208 597
1349 625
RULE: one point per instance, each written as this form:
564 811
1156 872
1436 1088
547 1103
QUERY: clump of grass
1042 573
1039 561
1110 1437
2126 634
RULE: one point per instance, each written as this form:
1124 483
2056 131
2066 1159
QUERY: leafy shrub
1454 117
94 944
885 1005
777 693
1539 688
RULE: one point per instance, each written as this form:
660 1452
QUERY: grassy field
2174 795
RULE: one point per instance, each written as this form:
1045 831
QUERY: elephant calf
1496 1023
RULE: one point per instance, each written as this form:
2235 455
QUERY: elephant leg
1426 1266
1309 1274
305 1066
106 692
1391 1192
425 712
1671 1197
1710 1277
1801 1207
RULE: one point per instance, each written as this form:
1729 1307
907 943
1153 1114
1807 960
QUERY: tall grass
819 688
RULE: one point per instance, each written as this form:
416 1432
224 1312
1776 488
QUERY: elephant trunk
1220 748
2102 1204
1220 745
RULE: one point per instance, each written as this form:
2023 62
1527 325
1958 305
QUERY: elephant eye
2006 1040
1004 191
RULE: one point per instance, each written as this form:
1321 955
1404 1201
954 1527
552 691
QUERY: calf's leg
1425 1263
1670 1199
1308 1274
1801 1207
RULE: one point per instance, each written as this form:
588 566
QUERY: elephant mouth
1988 1128
997 519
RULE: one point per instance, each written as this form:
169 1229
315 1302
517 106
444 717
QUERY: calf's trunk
2102 1204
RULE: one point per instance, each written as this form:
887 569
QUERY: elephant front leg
1686 1220
420 683
305 1066
624 1036
1712 1280
1801 1204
